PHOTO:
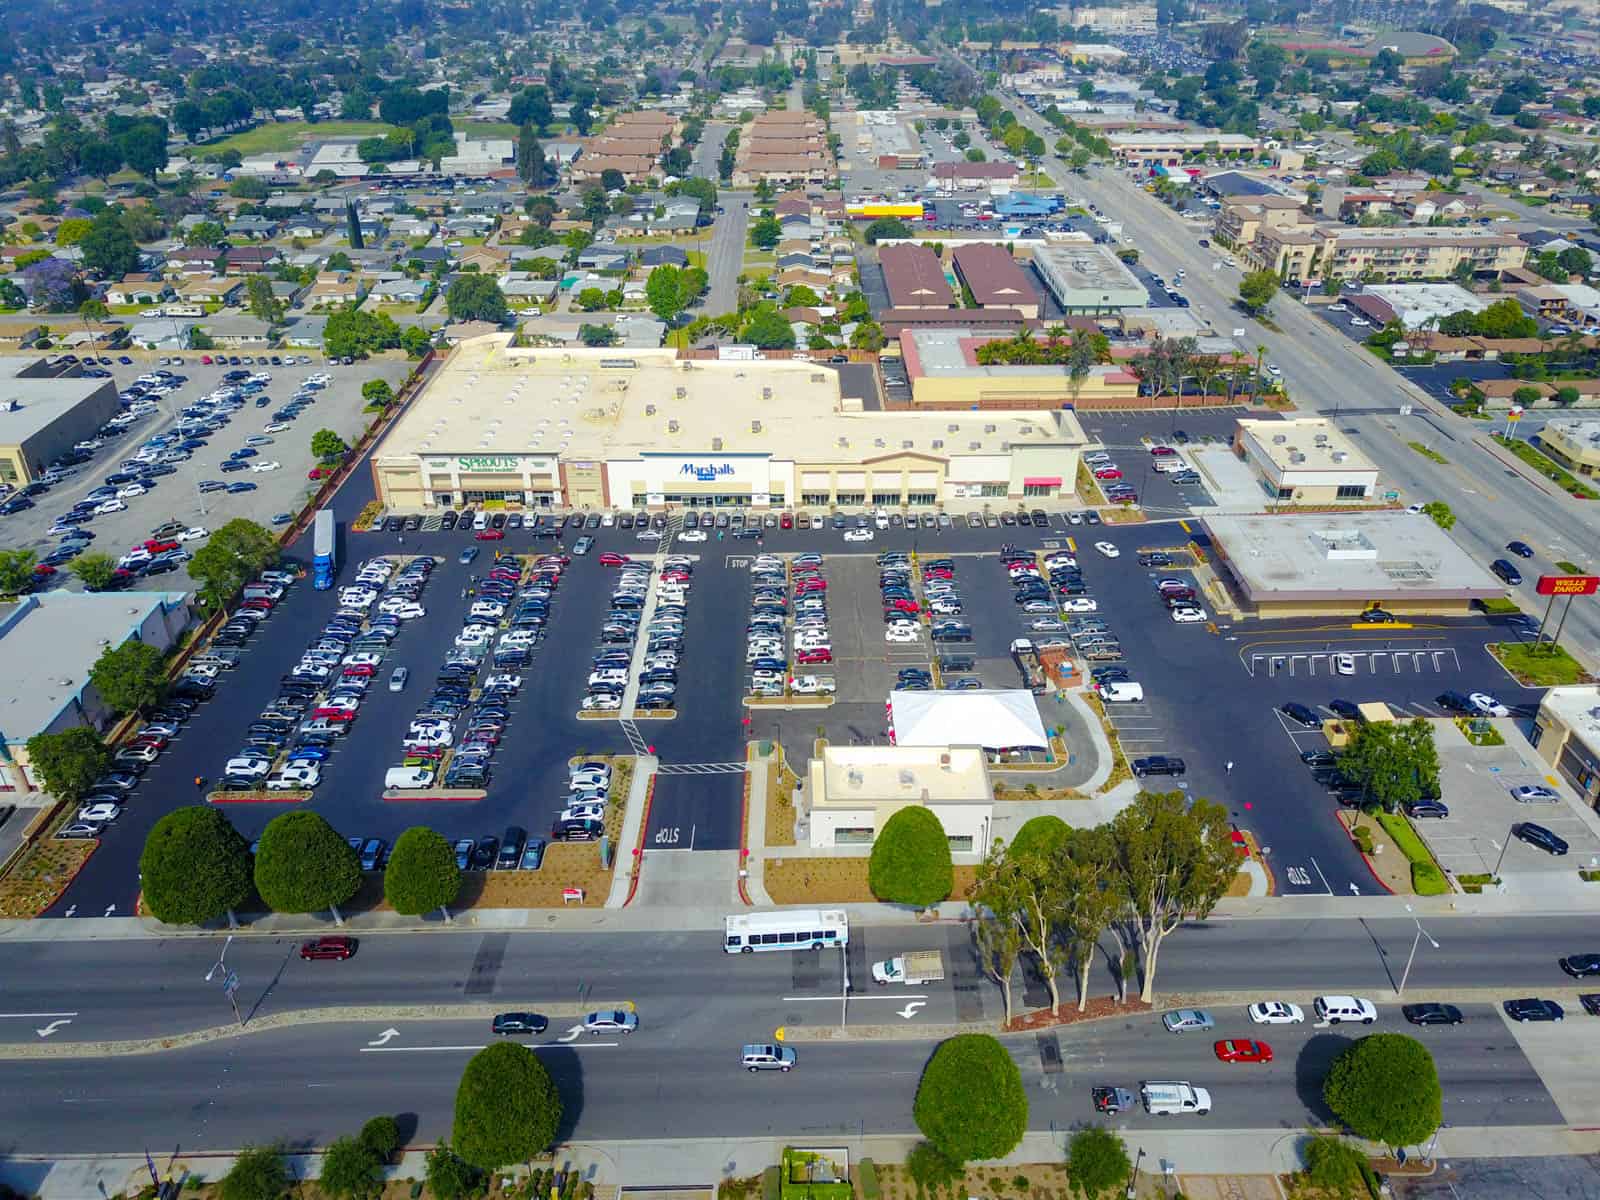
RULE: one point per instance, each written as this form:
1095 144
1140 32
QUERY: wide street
1327 373
695 1007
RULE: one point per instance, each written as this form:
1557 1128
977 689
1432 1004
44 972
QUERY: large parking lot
178 496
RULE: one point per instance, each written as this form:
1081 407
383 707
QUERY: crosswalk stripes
631 730
701 769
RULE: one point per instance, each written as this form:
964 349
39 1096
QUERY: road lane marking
36 1016
462 1049
897 997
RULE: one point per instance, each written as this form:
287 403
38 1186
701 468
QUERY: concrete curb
277 1021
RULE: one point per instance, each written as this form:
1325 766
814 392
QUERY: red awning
1041 481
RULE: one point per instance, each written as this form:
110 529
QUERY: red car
508 574
813 656
1162 451
1243 1050
150 739
805 587
612 559
938 573
905 606
43 570
158 546
334 714
360 670
490 535
328 947
258 603
786 521
1108 473
319 473
206 359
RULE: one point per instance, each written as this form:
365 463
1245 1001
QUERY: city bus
790 929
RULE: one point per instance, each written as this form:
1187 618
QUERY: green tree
108 249
303 865
67 763
597 335
422 873
415 342
765 232
1026 890
594 204
1097 1161
195 867
532 166
262 304
231 557
590 299
258 1173
72 231
1040 836
349 1170
1441 513
1333 1167
376 392
451 1177
867 335
130 677
507 1107
1527 397
970 1101
1394 763
664 292
1385 1088
381 1136
95 569
353 334
767 328
1256 291
1173 860
476 298
884 228
327 446
910 861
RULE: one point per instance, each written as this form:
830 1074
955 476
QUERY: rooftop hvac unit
766 393
843 442
1321 439
938 443
907 778
878 442
952 429
1296 457
907 444
716 443
755 426
672 427
682 392
990 428
1278 439
1340 455
974 445
649 410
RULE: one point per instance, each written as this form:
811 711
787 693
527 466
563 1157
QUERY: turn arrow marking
572 1034
52 1027
383 1038
910 1010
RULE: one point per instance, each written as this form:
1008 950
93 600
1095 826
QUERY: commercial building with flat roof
1566 734
1339 564
914 277
48 645
41 419
1170 149
1087 278
943 370
1416 305
994 278
528 428
1573 443
852 790
1305 461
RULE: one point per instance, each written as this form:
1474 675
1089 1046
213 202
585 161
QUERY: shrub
381 1135
1428 880
1333 1166
970 1101
910 861
929 1168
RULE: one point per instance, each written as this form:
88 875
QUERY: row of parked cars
772 584
582 817
620 630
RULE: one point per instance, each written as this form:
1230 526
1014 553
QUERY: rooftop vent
755 426
1278 439
1296 457
938 443
682 392
766 393
843 442
974 445
990 428
716 443
854 777
649 410
878 442
1340 455
952 429
907 778
907 444
672 427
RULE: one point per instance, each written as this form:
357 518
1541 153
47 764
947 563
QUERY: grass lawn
1544 665
1499 606
289 135
835 881
487 129
1425 874
1546 467
1430 454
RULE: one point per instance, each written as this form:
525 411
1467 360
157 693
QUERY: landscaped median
1543 665
1426 877
1547 467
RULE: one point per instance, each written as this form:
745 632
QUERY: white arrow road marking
111 909
910 1010
52 1027
1354 890
572 1034
465 1049
385 1037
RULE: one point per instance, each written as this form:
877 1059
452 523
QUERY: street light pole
1410 958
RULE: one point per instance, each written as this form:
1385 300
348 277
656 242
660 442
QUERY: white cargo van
1171 1098
408 777
1122 693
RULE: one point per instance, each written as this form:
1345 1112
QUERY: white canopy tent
994 720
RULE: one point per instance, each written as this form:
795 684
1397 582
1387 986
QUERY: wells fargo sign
1568 585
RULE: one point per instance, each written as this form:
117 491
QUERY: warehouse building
527 429
1088 279
994 279
41 419
942 368
1340 564
1305 461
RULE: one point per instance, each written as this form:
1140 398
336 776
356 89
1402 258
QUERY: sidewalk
705 1161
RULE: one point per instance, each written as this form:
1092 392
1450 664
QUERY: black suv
1301 714
1538 835
1158 764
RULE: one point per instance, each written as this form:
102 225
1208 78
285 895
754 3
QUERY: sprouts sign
489 464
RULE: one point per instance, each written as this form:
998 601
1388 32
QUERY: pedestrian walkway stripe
1184 525
701 769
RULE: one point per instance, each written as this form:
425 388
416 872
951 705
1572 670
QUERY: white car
1188 614
858 535
480 608
272 465
194 533
1109 550
1080 604
1487 705
110 506
589 780
1361 322
362 658
692 535
409 610
601 703
129 490
1344 664
1338 308
473 635
1274 370
583 812
103 810
251 766
295 778
275 427
1276 1012
900 633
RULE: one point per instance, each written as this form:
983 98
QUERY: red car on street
1243 1050
328 947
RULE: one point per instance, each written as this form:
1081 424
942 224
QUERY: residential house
401 290
657 256
334 290
304 228
167 333
252 227
522 291
142 288
306 332
603 258
217 290
192 260
237 330
251 260
428 257
490 260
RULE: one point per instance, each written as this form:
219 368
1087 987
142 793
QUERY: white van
1122 693
480 519
1170 1099
408 777
1334 1009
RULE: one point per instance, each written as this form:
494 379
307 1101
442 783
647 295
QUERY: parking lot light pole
1410 958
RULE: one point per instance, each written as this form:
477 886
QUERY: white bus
790 929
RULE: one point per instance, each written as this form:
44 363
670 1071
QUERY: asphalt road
672 1079
127 989
725 258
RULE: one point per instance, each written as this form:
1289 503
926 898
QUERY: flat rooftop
1316 440
915 774
39 402
1578 709
1090 267
49 642
950 352
1417 303
610 404
1355 556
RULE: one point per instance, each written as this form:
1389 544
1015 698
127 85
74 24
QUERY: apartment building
1305 250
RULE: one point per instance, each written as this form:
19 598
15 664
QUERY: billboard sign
1568 585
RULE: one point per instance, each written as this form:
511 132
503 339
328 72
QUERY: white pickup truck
812 685
912 969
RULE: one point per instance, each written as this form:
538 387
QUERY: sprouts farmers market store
521 428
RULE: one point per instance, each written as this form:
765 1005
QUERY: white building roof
995 720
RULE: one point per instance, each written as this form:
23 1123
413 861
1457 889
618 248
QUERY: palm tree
1261 352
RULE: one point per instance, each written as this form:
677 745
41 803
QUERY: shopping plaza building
569 428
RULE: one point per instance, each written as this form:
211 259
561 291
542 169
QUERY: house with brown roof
994 278
914 277
251 260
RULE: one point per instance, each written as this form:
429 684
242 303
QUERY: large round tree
303 865
1039 835
195 867
422 874
1386 1089
507 1107
911 859
971 1103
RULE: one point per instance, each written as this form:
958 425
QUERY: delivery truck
913 969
